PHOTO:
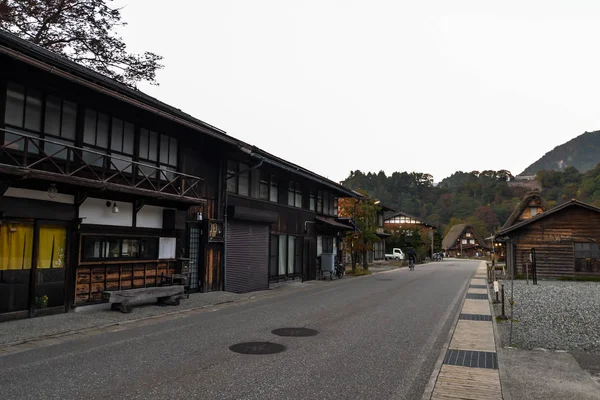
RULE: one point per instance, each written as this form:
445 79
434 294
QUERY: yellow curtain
52 247
16 246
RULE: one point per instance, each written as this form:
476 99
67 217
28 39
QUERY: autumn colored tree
83 31
364 214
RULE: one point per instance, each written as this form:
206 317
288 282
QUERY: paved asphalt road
379 338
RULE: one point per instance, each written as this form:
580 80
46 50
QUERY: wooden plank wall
92 280
553 238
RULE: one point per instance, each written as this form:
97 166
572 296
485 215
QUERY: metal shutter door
247 257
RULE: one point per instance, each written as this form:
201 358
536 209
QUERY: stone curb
428 392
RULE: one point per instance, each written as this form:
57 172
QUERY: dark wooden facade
185 180
301 206
565 240
122 188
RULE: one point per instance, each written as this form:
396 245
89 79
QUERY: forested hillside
582 152
482 199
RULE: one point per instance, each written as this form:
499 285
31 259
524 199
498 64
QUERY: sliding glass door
32 266
16 255
50 266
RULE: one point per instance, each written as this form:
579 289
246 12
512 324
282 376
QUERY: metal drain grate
295 332
257 348
473 359
478 286
477 296
475 317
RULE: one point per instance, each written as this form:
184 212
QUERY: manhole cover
295 332
257 348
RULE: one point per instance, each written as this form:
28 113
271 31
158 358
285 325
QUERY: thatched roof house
463 240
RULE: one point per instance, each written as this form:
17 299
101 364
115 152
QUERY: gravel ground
553 315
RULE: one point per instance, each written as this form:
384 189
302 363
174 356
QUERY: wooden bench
121 299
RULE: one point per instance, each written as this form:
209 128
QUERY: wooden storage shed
565 239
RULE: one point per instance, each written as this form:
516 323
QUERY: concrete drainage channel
263 348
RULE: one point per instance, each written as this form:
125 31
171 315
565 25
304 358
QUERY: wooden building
564 239
280 219
379 249
105 188
463 241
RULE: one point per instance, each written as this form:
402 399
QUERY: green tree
83 31
364 214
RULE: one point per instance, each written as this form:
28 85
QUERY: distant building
527 181
462 240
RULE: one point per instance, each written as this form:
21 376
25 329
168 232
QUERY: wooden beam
25 173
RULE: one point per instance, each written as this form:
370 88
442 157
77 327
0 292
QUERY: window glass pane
148 248
147 171
58 151
143 143
33 112
244 178
91 157
298 197
282 254
19 141
273 194
173 152
291 253
164 149
291 193
153 146
298 256
128 137
102 132
89 128
319 201
335 210
264 186
69 120
326 203
116 136
15 105
123 166
273 248
53 112
255 183
311 202
112 248
130 248
231 180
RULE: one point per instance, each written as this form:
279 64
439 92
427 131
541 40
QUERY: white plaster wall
39 195
150 217
94 211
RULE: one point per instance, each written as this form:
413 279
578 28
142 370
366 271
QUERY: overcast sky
335 86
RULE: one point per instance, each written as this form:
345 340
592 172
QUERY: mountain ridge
581 152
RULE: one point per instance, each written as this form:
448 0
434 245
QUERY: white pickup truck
397 254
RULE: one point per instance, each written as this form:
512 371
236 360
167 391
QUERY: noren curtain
16 246
52 246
